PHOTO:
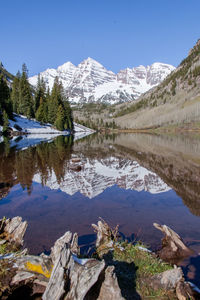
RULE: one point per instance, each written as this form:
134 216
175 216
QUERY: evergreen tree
40 92
5 103
41 113
15 94
25 95
68 116
5 121
54 101
60 118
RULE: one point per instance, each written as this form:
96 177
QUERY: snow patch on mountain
90 81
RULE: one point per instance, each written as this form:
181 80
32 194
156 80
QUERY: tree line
39 103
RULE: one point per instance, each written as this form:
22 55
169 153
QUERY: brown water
130 179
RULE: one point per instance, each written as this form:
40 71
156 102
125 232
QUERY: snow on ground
34 127
37 133
31 126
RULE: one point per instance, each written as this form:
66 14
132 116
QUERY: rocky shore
116 269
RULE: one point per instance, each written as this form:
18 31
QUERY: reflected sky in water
130 180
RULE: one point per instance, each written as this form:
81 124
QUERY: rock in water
173 247
110 289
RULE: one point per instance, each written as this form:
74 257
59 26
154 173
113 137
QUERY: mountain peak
91 61
91 81
66 66
160 64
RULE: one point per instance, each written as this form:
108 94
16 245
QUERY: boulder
76 168
75 160
16 126
166 280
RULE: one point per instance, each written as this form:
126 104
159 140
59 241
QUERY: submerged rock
76 168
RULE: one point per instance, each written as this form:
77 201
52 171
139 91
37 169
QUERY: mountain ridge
90 81
176 100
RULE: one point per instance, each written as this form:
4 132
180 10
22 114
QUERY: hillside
9 77
176 101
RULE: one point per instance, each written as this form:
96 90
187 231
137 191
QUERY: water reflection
21 166
132 180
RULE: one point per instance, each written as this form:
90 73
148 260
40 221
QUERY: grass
146 265
3 249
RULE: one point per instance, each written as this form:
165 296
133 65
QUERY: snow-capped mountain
90 81
98 174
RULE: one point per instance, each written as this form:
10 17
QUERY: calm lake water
128 179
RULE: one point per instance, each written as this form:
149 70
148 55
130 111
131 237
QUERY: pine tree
60 118
68 116
5 103
5 121
25 95
40 92
41 113
54 101
15 94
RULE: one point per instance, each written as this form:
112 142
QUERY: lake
130 180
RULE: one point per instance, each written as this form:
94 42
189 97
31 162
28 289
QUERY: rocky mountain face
90 81
95 175
176 100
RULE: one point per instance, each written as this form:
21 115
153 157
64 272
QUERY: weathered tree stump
173 247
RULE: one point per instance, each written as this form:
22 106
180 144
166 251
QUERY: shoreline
117 269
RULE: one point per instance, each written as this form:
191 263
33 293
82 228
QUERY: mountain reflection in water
129 179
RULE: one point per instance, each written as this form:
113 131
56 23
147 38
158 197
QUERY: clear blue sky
117 33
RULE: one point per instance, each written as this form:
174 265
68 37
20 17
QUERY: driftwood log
173 247
63 275
13 230
71 277
105 237
110 289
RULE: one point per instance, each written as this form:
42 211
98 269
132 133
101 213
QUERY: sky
117 33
